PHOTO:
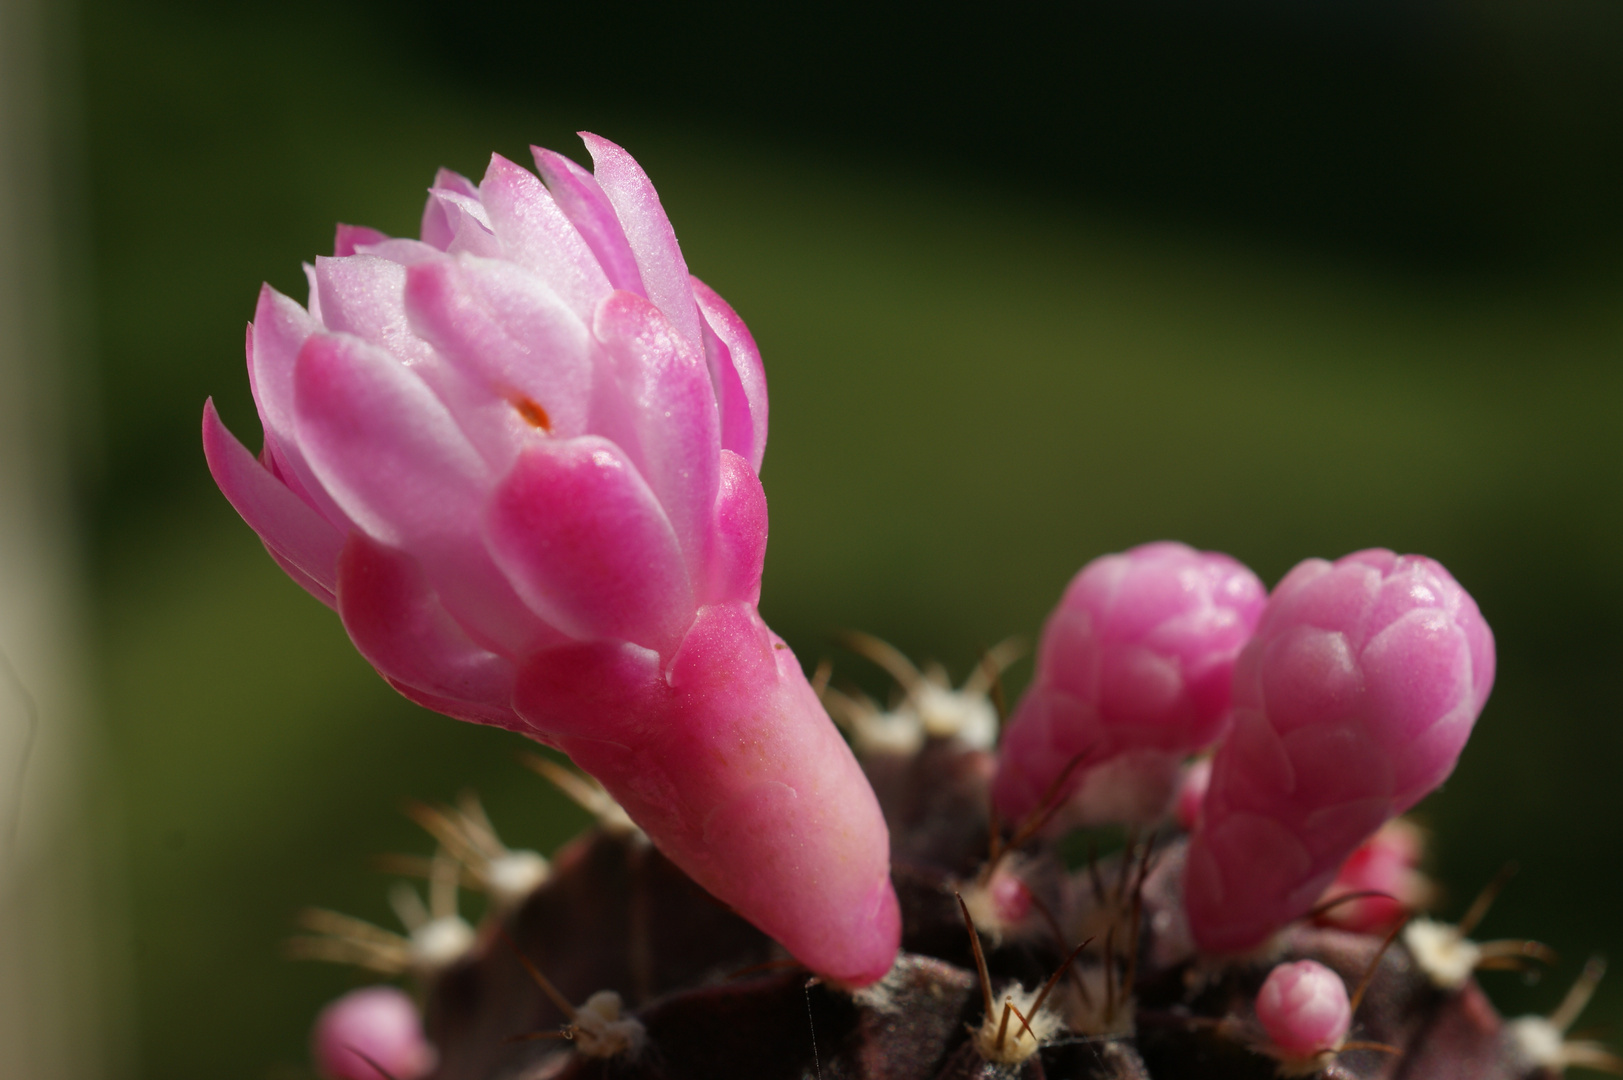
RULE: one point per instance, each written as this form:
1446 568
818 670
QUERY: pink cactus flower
1134 668
379 1023
1385 863
1352 702
519 456
1305 1011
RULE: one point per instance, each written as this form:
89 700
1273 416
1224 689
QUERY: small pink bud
1352 702
1304 1009
1134 668
377 1022
1384 863
1192 785
1011 897
519 457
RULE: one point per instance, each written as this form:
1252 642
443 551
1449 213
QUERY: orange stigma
533 413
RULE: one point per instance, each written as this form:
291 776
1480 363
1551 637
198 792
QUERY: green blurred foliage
974 391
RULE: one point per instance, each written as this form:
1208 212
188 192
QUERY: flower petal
381 442
739 376
392 455
312 302
456 222
350 237
536 234
740 547
397 250
455 181
584 541
287 524
666 419
579 195
499 321
280 328
364 295
438 226
397 623
648 230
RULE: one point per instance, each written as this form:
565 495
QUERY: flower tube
519 457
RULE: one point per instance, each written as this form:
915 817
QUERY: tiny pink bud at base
1011 898
1304 1009
377 1022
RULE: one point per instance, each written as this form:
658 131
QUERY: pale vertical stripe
57 912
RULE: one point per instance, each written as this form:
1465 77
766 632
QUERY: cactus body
717 998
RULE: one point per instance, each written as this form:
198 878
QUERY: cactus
618 965
519 457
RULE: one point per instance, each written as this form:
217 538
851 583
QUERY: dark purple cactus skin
718 999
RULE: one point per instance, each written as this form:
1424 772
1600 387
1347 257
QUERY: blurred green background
1032 284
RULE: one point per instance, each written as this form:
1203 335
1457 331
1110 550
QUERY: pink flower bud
1385 863
1352 702
1133 668
1304 1009
377 1022
519 457
1011 897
